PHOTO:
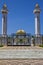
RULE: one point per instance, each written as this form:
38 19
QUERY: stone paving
21 52
22 62
21 56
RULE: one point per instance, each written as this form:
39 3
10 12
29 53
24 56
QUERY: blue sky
20 15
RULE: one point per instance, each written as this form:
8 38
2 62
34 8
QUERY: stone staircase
23 52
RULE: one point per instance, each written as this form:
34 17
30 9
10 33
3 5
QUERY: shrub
1 45
40 45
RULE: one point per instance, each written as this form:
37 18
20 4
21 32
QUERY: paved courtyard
21 55
21 52
21 62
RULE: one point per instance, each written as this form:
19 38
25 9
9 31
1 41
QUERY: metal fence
16 39
27 39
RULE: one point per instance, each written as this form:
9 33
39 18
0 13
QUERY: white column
37 24
4 24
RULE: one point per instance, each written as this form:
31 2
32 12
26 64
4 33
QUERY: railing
11 40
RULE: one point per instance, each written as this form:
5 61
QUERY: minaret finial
37 9
4 9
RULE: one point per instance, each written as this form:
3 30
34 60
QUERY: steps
23 52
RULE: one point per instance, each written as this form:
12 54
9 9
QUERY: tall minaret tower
37 20
4 20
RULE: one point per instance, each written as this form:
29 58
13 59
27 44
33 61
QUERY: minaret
4 20
37 20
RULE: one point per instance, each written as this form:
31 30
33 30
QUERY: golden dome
21 32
